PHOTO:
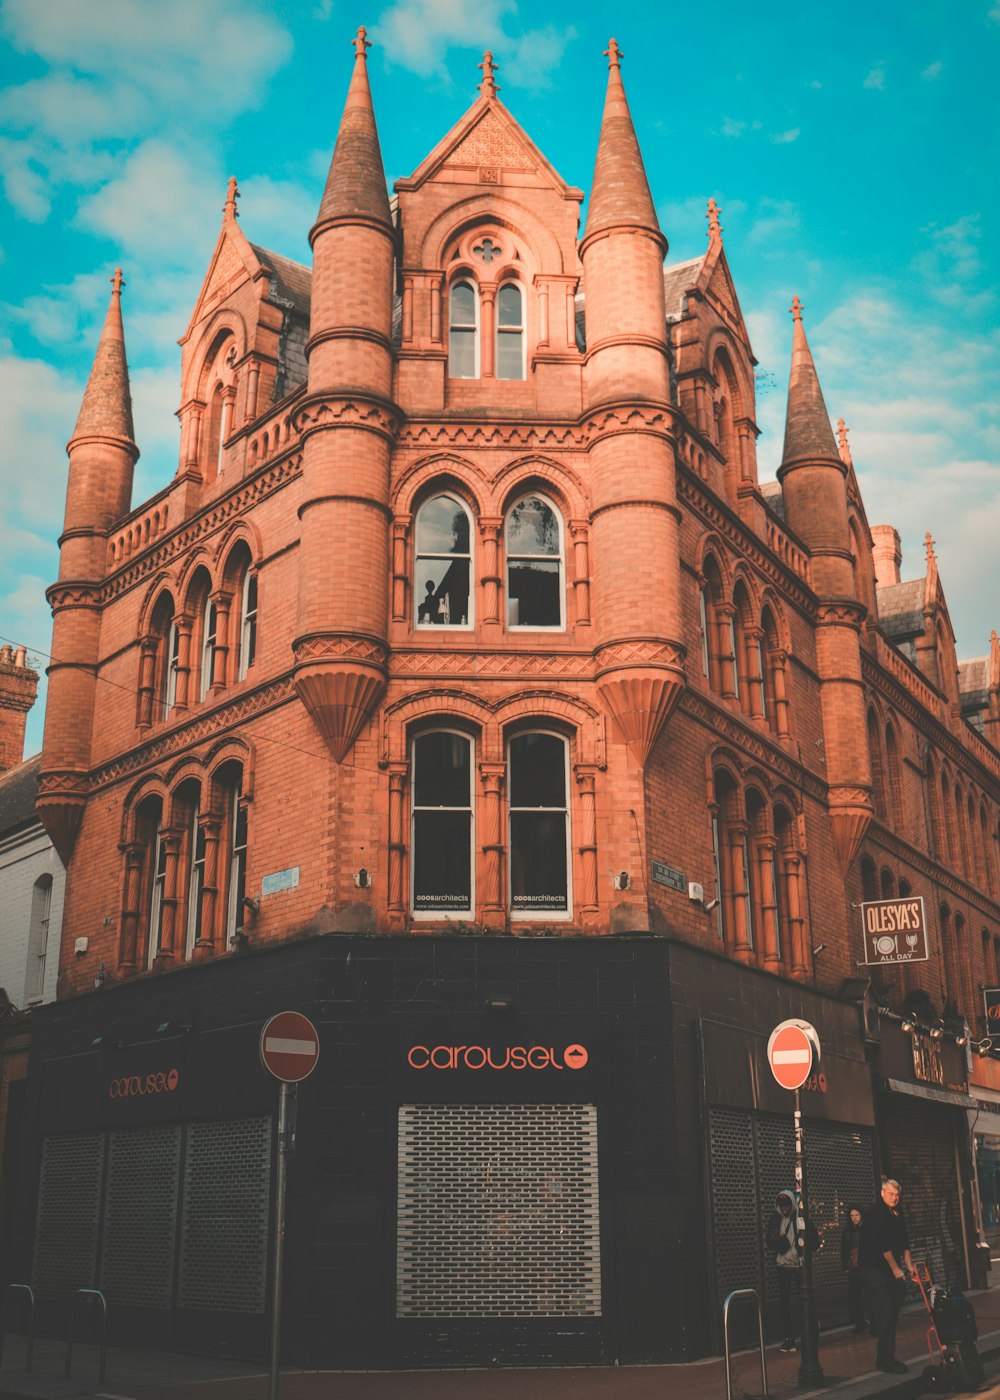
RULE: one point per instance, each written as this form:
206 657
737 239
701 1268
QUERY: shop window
539 825
463 331
38 939
442 824
442 566
248 624
510 332
534 544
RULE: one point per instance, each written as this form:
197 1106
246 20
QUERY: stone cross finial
232 194
361 43
845 447
489 86
796 308
117 282
613 54
929 547
714 227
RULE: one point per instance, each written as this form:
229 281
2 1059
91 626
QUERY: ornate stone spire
714 227
807 424
619 195
844 445
106 410
355 186
489 87
229 209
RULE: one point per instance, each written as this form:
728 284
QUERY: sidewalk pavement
846 1360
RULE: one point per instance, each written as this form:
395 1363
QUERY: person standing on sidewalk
884 1263
850 1244
782 1238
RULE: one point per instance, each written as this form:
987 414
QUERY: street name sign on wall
894 930
667 875
792 1051
289 1046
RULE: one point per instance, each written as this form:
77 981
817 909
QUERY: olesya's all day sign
895 930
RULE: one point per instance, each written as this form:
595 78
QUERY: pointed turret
813 478
102 457
349 424
639 648
619 195
355 186
808 433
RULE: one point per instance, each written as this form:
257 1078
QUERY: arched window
949 987
712 646
534 564
158 872
209 637
172 662
538 817
888 884
893 780
463 331
248 625
38 939
703 623
442 564
773 675
869 880
196 882
441 845
235 845
510 332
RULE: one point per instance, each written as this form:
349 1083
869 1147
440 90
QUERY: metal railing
743 1293
22 1288
88 1293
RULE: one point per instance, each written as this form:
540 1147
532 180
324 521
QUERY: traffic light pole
810 1370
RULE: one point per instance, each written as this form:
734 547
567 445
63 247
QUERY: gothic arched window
442 817
534 564
38 939
538 815
463 331
442 564
510 332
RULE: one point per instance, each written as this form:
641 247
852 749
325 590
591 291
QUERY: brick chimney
887 554
18 688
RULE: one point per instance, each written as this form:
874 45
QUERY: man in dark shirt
884 1262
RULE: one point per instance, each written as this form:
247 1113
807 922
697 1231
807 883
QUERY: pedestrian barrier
22 1288
744 1293
88 1293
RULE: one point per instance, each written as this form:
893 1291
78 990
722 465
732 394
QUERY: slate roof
974 681
901 608
773 497
677 279
18 790
293 280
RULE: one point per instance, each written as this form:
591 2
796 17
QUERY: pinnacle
807 424
355 186
106 410
489 87
713 216
620 193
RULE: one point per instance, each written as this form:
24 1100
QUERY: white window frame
519 330
559 626
237 867
703 614
475 326
248 623
209 638
459 915
38 939
156 898
418 555
172 662
196 883
541 915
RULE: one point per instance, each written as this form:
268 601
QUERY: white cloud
278 214
24 183
774 220
784 138
417 34
876 77
932 71
732 128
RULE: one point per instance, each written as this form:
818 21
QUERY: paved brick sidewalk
846 1360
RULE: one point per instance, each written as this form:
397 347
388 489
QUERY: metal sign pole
810 1371
279 1240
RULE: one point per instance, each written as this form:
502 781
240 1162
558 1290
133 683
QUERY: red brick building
466 689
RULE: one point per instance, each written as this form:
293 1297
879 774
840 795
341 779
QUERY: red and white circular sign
289 1046
790 1052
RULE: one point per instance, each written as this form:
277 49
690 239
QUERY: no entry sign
289 1046
791 1051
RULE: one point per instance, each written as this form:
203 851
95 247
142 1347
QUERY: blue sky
853 149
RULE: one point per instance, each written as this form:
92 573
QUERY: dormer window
510 332
463 332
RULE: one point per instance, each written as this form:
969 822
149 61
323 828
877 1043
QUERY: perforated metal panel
753 1158
923 1158
69 1205
227 1184
498 1211
140 1224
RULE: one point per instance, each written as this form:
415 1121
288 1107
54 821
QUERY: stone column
752 640
580 535
135 853
738 891
487 313
398 774
400 571
253 382
220 657
766 847
492 902
436 311
211 827
489 534
184 625
148 647
171 840
586 775
778 662
407 327
724 614
791 863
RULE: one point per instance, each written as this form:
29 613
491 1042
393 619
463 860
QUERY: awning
925 1091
